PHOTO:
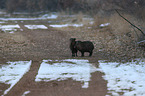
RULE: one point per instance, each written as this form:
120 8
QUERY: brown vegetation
91 6
119 38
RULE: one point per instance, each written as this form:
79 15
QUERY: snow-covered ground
25 93
36 26
2 12
66 25
104 25
13 28
44 17
47 16
124 79
9 28
54 22
76 69
2 22
13 72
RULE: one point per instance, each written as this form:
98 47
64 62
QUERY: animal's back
88 45
85 45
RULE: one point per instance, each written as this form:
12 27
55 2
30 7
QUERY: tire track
26 81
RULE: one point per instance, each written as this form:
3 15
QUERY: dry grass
119 38
123 39
118 25
75 18
100 20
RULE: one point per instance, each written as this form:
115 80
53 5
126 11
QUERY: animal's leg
76 54
82 54
73 54
91 53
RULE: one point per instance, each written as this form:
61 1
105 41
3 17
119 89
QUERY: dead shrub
125 37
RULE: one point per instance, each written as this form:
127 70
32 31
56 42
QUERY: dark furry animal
72 47
82 46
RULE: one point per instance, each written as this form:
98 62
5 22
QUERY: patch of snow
2 12
2 22
92 22
25 93
24 19
13 72
67 25
21 30
20 13
66 16
47 16
90 19
14 19
79 70
104 25
36 26
11 32
127 78
141 41
9 28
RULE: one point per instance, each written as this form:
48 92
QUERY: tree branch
130 22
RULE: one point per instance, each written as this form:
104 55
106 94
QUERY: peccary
82 46
72 47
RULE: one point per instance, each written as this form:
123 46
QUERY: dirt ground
37 45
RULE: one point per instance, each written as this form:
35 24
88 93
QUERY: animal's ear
72 39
